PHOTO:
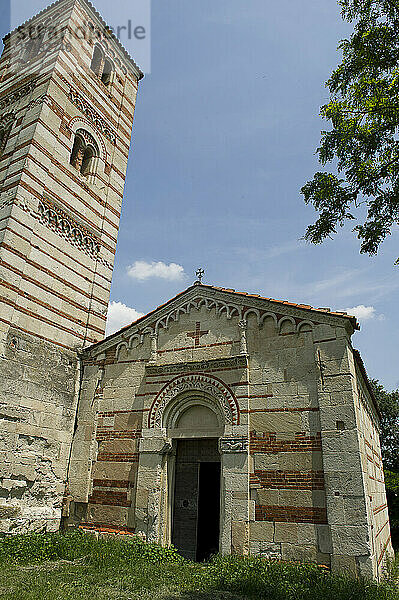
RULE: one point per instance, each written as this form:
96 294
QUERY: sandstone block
344 564
286 532
239 537
261 531
296 552
351 540
281 422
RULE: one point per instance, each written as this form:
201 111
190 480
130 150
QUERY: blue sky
225 132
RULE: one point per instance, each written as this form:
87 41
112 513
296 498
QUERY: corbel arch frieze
195 383
7 119
120 347
64 225
196 304
229 310
252 311
135 337
267 315
287 319
305 326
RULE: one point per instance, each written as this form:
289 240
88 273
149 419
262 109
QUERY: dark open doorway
196 507
208 510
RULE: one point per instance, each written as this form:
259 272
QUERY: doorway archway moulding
196 382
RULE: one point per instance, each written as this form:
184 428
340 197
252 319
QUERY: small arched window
102 66
107 72
84 153
87 162
77 152
5 130
97 62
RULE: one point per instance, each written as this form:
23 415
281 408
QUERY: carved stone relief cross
196 335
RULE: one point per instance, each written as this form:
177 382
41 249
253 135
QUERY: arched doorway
196 493
194 419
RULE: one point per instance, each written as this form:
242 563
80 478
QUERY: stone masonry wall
37 415
287 481
373 474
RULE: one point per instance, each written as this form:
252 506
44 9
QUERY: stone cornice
238 362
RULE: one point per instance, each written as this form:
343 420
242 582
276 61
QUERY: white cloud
120 315
142 270
363 313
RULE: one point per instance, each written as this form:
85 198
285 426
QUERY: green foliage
363 112
392 489
76 565
389 436
392 481
37 547
389 407
271 580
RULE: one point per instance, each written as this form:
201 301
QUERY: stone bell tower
67 98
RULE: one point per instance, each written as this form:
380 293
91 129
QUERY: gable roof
201 287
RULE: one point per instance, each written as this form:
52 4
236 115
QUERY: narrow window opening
87 162
107 72
97 60
4 135
77 152
35 43
84 152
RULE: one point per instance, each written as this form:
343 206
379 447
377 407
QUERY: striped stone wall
58 234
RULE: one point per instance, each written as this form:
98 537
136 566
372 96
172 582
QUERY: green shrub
271 580
39 547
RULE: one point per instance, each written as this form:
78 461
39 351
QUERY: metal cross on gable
200 273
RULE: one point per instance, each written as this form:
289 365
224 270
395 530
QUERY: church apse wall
268 395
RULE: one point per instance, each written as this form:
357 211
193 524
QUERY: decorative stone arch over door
190 408
212 388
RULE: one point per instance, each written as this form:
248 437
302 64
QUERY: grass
76 566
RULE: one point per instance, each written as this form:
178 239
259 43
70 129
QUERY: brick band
290 514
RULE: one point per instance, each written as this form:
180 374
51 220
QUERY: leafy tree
389 407
363 111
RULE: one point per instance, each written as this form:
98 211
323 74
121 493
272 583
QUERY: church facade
221 421
249 419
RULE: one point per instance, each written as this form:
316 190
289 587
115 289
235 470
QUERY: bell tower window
84 153
102 66
107 72
5 130
88 162
35 43
77 152
97 61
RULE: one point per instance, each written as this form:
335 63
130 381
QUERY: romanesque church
219 422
